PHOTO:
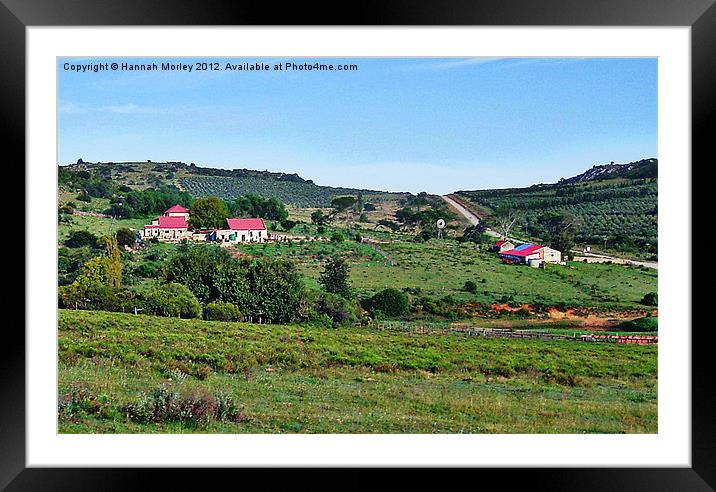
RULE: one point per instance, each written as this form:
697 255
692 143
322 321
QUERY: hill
227 184
618 204
645 168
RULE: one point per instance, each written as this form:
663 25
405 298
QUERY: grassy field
438 268
99 226
304 379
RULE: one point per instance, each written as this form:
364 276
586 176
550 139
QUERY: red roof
523 251
246 224
169 223
176 209
500 243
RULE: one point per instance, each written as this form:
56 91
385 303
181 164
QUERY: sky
395 124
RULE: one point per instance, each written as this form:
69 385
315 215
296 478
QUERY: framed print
429 238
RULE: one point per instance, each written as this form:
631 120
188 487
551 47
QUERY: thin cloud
129 108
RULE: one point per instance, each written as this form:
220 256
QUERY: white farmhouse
241 231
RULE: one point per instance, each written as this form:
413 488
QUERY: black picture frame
700 15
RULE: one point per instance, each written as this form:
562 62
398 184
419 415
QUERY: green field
303 379
441 267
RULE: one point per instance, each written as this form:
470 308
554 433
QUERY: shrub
195 409
173 300
470 287
650 299
77 239
222 311
341 311
389 303
79 401
647 323
125 237
337 237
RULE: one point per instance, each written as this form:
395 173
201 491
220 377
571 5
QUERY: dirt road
474 220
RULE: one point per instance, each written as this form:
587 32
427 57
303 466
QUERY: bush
650 299
222 311
341 311
77 239
125 237
195 409
337 237
389 303
173 300
647 323
470 287
79 401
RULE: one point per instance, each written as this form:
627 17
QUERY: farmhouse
241 231
503 245
531 254
167 228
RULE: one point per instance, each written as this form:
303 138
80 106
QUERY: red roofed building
531 254
241 231
168 228
177 211
503 245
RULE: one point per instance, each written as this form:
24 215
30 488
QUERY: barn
526 252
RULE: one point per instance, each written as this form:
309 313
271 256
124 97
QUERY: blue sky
406 124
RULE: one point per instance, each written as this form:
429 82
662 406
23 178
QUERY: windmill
441 225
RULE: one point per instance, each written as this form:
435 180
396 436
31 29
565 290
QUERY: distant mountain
645 168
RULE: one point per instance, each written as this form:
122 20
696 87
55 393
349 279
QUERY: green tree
115 260
173 300
208 213
318 217
77 239
390 303
334 277
560 230
125 237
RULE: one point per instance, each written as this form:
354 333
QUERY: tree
560 230
125 237
114 257
476 234
318 217
341 204
77 239
208 213
390 303
334 277
172 299
505 218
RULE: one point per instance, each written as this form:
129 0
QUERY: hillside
617 203
645 168
227 184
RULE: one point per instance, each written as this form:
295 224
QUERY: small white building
503 245
241 231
